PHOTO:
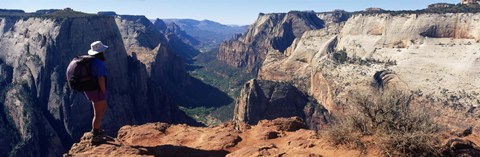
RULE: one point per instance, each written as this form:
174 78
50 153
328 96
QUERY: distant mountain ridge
207 25
210 34
183 42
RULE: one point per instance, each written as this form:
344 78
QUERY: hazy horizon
226 12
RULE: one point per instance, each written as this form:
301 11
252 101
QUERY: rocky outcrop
42 115
279 137
260 100
271 32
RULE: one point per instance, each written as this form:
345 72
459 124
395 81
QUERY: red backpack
79 74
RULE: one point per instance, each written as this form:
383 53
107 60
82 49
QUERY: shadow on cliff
180 151
200 94
212 79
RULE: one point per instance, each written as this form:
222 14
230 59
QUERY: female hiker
98 97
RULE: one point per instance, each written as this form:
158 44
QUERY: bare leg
99 108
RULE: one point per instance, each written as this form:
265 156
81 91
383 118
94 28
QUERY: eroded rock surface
279 137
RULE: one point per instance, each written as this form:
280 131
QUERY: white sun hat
96 47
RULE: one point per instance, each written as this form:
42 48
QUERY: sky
236 12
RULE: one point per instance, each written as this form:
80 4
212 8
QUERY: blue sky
223 11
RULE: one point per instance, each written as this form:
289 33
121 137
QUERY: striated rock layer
431 52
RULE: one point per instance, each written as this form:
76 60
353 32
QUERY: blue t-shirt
98 68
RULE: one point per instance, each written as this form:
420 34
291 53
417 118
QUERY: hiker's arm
101 83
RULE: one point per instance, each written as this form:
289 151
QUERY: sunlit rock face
270 32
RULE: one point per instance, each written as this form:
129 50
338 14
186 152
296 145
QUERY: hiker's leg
99 108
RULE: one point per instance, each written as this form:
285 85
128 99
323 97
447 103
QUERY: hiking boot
96 140
98 137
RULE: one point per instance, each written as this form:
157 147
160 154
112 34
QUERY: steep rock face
43 114
140 37
30 133
300 60
296 64
298 68
269 100
143 40
431 53
279 137
23 52
271 32
6 129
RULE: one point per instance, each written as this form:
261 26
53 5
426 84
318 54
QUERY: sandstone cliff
302 57
40 115
271 32
297 62
432 54
260 100
442 43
